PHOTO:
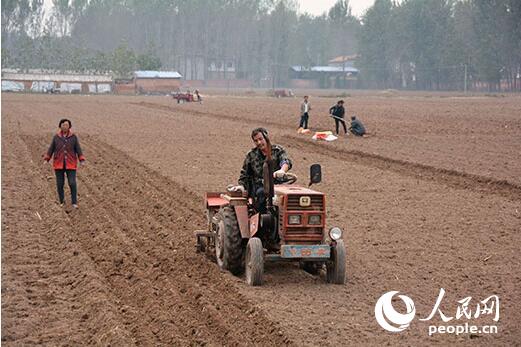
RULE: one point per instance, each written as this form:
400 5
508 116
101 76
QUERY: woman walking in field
66 151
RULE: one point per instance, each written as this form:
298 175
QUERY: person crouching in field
357 128
65 150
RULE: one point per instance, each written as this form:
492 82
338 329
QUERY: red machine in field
238 234
282 93
183 97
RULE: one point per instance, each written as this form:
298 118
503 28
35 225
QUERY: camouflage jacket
251 173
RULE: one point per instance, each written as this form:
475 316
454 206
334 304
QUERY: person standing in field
337 112
305 107
198 97
66 151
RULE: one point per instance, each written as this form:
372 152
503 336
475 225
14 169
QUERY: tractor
281 93
238 235
183 97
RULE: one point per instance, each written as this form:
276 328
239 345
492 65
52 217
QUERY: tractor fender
241 211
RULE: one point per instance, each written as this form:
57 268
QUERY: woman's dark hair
63 121
259 130
340 102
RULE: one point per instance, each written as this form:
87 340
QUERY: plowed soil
431 200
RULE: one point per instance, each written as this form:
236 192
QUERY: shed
65 83
344 60
323 76
157 82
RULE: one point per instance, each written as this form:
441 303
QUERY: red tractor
183 97
238 234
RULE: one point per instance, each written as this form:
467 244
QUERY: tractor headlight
335 233
315 219
294 219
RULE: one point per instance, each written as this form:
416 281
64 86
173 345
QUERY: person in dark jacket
357 128
252 174
337 112
198 97
251 177
66 151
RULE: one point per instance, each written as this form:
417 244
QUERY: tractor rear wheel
336 267
254 262
228 242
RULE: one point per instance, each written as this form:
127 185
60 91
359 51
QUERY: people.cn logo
388 317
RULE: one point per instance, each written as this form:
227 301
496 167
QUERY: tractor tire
311 267
254 262
228 242
336 267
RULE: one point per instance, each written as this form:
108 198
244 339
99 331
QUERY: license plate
301 251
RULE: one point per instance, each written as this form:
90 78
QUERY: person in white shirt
305 107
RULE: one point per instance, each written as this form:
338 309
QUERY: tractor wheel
254 262
336 267
311 267
228 242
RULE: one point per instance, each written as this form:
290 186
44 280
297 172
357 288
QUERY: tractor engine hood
285 193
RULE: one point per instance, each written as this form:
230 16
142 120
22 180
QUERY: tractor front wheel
228 242
254 262
336 266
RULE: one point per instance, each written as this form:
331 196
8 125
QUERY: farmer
337 112
305 107
251 177
198 96
357 128
65 150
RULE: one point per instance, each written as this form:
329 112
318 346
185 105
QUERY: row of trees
263 37
420 44
60 54
442 44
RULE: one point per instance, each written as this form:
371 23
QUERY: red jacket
66 150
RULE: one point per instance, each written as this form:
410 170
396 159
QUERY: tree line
442 44
415 44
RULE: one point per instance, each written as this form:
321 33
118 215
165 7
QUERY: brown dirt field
432 201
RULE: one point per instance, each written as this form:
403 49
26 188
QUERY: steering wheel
288 178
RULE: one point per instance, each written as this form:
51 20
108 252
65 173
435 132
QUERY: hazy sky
317 7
